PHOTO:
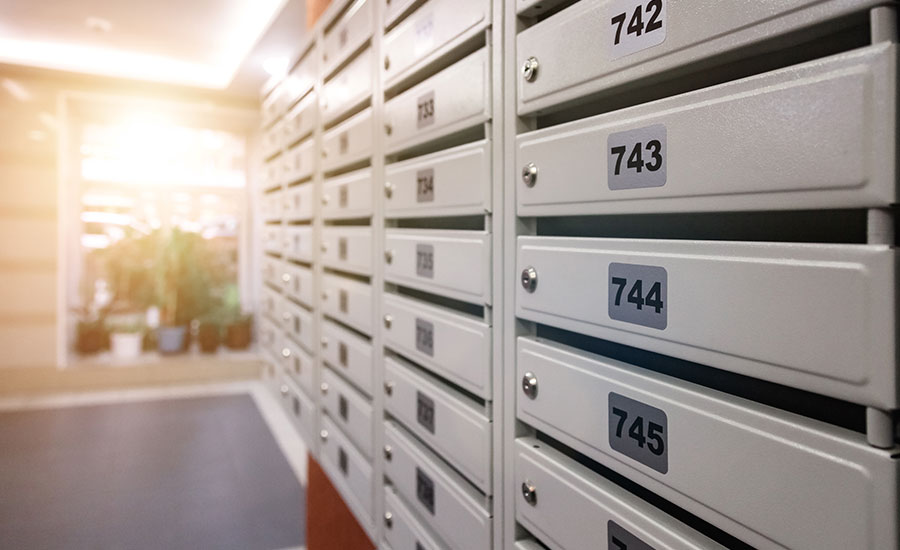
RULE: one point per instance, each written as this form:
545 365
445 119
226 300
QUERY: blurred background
128 134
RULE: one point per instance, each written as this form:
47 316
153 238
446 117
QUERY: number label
342 37
621 539
638 294
343 301
343 409
425 110
296 404
343 196
342 248
343 143
635 25
639 431
425 411
425 185
636 158
425 490
342 460
424 34
342 354
425 337
425 260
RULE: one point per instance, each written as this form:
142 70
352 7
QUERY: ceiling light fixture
246 26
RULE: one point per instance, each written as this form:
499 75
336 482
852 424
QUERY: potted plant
125 339
209 334
184 282
90 336
238 331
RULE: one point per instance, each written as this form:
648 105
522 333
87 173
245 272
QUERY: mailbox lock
529 174
388 129
529 492
388 320
387 63
284 389
530 69
324 247
323 435
286 316
388 519
530 385
285 352
388 452
388 256
324 200
388 189
389 388
324 388
324 294
286 277
324 342
529 279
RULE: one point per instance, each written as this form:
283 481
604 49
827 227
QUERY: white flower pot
126 345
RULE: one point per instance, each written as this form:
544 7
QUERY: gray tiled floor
176 473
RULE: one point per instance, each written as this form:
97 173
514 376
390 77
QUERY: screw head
529 492
389 388
284 389
388 256
323 387
388 189
285 352
530 69
388 519
388 320
529 279
529 174
388 452
530 385
286 277
323 435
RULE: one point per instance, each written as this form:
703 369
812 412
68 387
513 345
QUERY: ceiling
211 44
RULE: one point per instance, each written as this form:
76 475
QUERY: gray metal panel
455 99
459 181
348 34
349 355
348 88
435 28
718 446
355 484
820 317
453 426
347 300
577 55
460 266
405 529
459 516
349 410
460 349
777 150
349 142
348 196
348 248
574 507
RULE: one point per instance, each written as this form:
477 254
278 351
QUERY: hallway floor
200 471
